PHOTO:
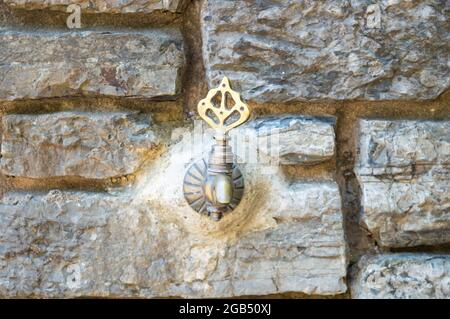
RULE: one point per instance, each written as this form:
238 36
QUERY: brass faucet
216 187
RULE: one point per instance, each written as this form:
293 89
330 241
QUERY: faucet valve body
218 187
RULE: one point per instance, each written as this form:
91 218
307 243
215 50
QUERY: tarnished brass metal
216 187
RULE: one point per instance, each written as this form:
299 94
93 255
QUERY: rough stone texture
277 51
144 241
293 139
395 147
103 6
402 276
44 64
404 173
91 145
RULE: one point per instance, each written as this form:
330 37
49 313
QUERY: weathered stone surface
299 50
103 6
304 252
396 147
91 145
146 242
404 173
293 139
401 214
402 276
44 64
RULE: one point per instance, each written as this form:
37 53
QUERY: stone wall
98 128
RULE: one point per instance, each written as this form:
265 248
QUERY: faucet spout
224 189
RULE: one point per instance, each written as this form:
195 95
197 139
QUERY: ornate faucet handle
222 117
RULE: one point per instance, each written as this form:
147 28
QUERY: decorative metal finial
216 186
222 112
